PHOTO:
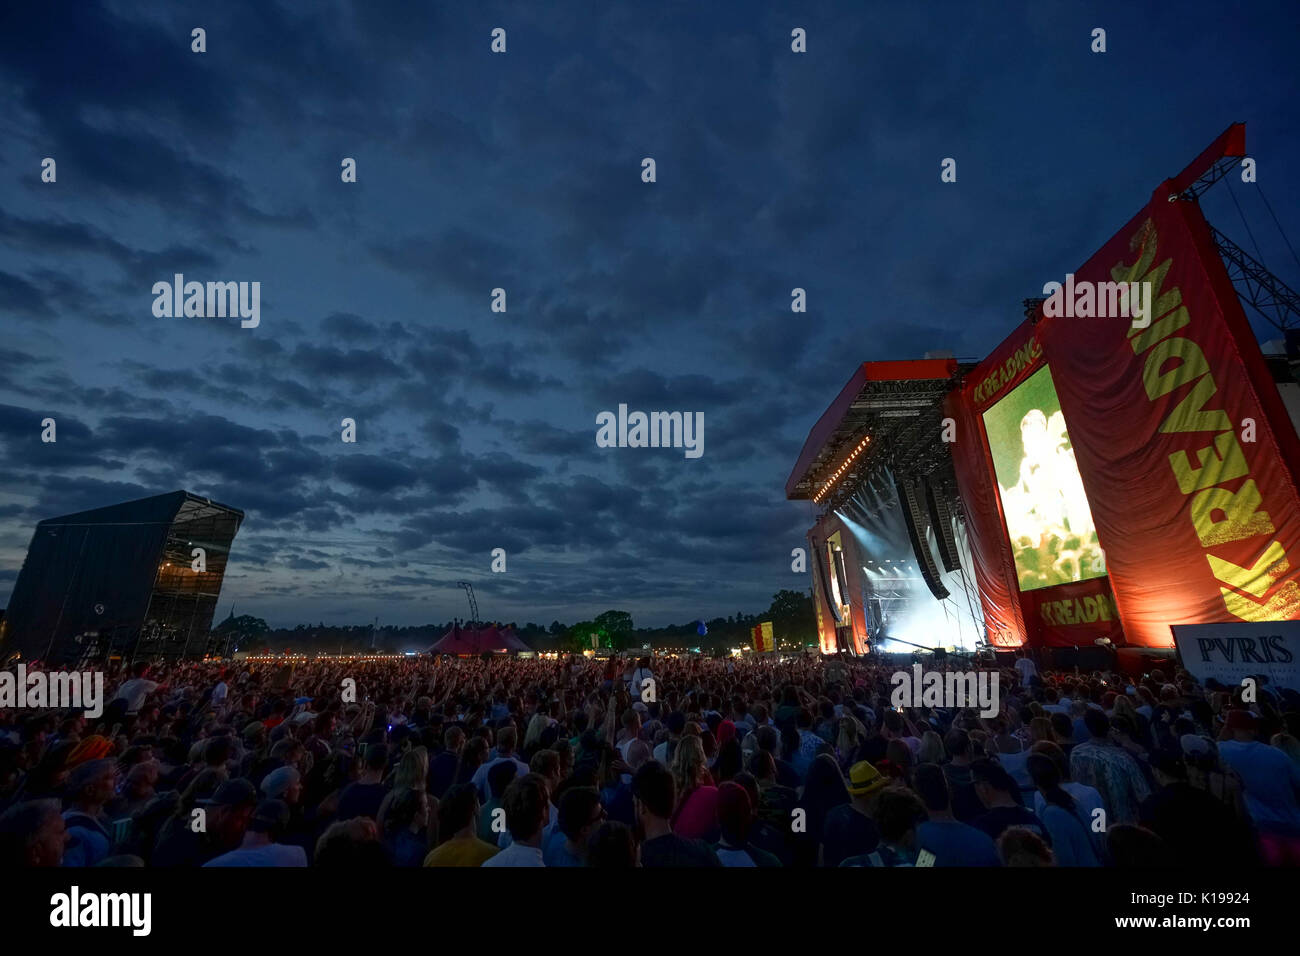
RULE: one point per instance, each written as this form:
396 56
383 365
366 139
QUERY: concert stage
1098 478
134 580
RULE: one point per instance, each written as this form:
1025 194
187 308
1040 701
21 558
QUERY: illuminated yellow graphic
1049 523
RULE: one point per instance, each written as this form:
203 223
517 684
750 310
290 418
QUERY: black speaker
915 520
941 522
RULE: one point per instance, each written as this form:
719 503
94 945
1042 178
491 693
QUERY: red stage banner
1081 612
994 570
1181 439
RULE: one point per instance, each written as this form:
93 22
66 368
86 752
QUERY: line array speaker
915 520
941 521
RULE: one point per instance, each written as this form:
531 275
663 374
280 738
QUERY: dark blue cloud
476 429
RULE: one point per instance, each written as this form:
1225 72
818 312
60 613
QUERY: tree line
793 620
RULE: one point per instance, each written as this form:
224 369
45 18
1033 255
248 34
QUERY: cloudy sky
522 171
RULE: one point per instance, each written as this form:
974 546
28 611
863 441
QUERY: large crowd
654 761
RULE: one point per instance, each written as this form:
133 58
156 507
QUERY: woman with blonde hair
696 814
931 749
849 740
412 773
535 727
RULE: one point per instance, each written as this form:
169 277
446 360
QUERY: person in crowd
458 815
1101 763
260 846
90 786
849 829
898 814
998 793
736 816
365 796
225 816
654 798
942 835
32 834
1020 846
966 805
442 766
1069 828
612 847
812 743
1130 846
527 806
1087 798
352 845
406 826
1198 829
696 814
1271 787
580 815
505 752
492 816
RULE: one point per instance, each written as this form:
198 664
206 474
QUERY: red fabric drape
1199 523
994 569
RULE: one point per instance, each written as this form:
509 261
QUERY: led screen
1049 523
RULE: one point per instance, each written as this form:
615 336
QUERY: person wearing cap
899 814
997 790
259 846
849 829
1271 785
90 786
93 747
225 817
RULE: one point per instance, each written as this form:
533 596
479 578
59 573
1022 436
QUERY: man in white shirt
136 689
259 847
527 805
1025 667
639 677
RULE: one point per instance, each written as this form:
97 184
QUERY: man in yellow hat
850 828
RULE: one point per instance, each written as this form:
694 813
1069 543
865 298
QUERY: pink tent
486 637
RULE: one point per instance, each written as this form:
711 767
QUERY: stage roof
158 509
892 403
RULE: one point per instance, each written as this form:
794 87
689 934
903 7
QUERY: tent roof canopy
476 640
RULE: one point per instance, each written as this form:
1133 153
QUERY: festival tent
485 637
